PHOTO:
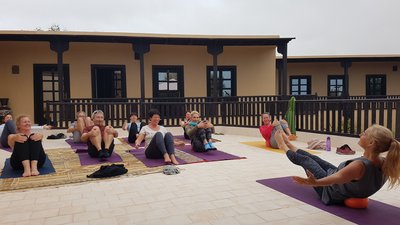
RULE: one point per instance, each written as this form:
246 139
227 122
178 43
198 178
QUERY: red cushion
357 203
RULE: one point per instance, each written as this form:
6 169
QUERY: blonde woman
28 153
356 178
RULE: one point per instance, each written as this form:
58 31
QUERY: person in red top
269 129
99 138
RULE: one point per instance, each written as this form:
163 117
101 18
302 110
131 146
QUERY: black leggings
160 145
133 131
29 150
313 163
198 141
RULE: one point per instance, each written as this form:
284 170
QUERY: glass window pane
173 86
172 76
47 75
332 82
47 86
295 93
303 88
303 81
162 76
340 88
340 82
303 93
162 86
226 84
226 92
226 75
56 86
48 96
295 88
295 81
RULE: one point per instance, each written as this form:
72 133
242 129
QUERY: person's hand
310 180
36 137
275 123
21 138
201 125
47 127
137 145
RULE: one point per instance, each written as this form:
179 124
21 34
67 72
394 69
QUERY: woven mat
69 170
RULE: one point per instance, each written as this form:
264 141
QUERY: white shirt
149 133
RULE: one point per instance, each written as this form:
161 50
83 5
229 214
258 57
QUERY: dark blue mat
376 213
9 172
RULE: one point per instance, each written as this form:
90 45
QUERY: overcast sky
321 27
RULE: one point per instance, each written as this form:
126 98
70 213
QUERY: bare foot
167 159
173 160
35 172
27 174
292 137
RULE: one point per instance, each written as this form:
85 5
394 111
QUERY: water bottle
328 143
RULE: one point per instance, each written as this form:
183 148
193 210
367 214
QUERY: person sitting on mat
8 127
355 178
159 143
184 123
77 126
28 153
99 138
133 127
200 133
269 129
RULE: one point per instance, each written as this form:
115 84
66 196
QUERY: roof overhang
165 39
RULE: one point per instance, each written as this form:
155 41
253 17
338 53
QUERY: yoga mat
9 172
87 160
140 155
209 156
261 144
5 148
74 145
132 144
376 213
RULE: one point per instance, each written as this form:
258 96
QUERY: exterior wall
255 68
357 74
19 87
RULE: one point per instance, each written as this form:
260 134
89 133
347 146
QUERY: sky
321 27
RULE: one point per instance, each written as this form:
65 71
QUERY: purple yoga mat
132 144
139 154
87 160
76 145
209 156
5 149
376 213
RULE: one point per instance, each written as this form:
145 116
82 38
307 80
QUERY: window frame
221 69
331 77
383 88
293 77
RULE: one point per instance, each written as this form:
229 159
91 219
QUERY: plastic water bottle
328 143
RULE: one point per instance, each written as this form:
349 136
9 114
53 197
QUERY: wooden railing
347 117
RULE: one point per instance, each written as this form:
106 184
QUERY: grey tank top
372 180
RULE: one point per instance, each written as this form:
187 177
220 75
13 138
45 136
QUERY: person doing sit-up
99 138
200 133
355 178
269 129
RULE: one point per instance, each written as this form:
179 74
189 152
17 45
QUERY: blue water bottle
328 143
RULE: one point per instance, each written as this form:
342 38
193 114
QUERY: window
375 85
300 85
335 85
226 81
168 81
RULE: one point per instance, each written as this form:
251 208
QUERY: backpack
109 171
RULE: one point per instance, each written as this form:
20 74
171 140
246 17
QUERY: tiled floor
212 193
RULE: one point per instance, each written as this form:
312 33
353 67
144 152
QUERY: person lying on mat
78 125
99 138
159 143
269 129
133 127
28 153
200 133
356 178
184 123
8 127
